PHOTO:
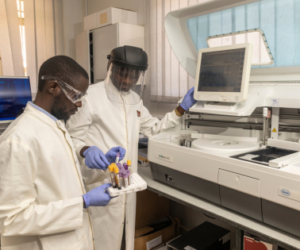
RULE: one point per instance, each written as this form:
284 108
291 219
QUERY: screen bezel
226 96
10 119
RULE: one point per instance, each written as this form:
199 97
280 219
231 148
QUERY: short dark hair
62 67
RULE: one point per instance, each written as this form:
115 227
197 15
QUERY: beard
122 86
59 110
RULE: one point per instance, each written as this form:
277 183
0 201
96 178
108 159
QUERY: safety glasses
72 94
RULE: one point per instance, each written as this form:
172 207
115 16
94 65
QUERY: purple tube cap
125 166
120 166
121 175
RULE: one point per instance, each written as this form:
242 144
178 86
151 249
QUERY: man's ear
53 88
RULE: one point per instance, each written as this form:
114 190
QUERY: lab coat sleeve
150 125
19 213
78 126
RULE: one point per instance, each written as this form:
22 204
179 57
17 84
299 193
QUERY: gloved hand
111 155
98 196
188 100
95 158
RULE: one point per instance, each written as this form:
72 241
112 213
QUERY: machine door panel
239 182
240 193
188 183
282 217
241 202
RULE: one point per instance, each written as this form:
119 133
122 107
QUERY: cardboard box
150 208
109 16
255 244
206 236
154 240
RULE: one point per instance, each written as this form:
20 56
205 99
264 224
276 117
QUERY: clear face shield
124 85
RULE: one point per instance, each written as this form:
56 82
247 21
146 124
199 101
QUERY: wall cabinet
92 47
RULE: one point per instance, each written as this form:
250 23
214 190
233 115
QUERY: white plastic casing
265 112
234 97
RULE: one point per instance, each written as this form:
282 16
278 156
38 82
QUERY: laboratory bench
240 222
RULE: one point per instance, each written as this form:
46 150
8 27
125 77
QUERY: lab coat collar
42 116
43 111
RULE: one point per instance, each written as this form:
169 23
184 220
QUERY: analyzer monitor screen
15 92
222 71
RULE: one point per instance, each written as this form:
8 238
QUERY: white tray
137 184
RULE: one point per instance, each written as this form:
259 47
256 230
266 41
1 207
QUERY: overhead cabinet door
107 38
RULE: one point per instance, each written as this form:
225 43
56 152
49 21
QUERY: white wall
73 14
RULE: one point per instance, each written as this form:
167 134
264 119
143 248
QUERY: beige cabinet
92 47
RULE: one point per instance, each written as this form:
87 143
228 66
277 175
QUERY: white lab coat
102 123
41 205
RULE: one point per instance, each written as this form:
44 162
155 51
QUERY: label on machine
289 193
164 157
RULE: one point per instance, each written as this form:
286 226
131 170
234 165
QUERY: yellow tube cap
129 162
111 168
115 167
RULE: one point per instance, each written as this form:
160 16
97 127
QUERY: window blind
278 19
10 42
43 36
169 81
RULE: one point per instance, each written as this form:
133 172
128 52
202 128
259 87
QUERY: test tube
130 171
121 175
120 166
129 166
129 178
116 171
112 176
118 157
126 180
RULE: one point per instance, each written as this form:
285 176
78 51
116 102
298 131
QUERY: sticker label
103 18
164 157
153 243
274 130
274 102
289 193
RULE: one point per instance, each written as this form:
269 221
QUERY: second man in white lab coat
113 115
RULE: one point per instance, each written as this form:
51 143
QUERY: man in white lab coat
43 202
113 114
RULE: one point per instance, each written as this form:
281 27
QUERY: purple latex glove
95 158
188 100
97 197
111 155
